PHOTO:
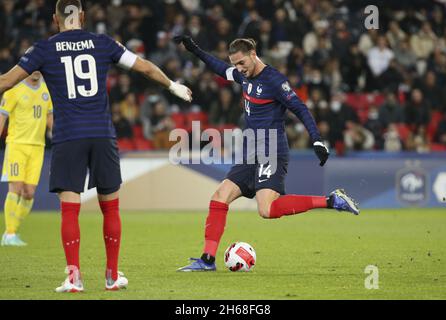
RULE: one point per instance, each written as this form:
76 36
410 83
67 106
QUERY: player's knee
28 193
219 196
16 187
264 212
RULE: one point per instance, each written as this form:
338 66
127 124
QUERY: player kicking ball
267 95
74 64
29 109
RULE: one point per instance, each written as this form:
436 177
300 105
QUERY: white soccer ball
240 256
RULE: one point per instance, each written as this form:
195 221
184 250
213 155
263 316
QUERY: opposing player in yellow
29 108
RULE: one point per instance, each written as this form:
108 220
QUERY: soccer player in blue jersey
267 95
74 64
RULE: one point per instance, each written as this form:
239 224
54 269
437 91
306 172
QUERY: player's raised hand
321 151
181 91
187 41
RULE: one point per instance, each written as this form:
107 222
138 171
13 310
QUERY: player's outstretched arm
152 72
216 65
11 78
288 97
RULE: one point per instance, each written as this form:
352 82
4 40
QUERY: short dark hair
62 4
242 45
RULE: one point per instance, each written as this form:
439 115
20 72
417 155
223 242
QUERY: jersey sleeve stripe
2 111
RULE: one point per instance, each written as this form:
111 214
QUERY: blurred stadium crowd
367 89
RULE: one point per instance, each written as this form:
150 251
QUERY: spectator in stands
298 138
226 110
405 56
6 60
392 141
417 110
164 50
122 125
340 114
440 136
121 89
146 113
130 108
352 68
322 52
434 95
312 38
196 31
378 59
205 90
375 127
437 22
367 41
391 111
317 103
395 36
437 63
161 124
423 42
418 140
341 39
358 138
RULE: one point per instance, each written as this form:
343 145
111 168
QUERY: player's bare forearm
151 72
3 119
11 78
49 122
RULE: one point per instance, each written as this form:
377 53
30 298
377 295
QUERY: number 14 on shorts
264 171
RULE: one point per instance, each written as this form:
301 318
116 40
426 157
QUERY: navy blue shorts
71 160
251 178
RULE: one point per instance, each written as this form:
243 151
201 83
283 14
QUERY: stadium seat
361 103
142 144
179 119
137 132
437 147
403 130
433 124
202 117
125 145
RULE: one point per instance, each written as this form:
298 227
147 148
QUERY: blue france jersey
266 99
267 96
75 65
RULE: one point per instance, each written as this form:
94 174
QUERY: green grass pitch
316 255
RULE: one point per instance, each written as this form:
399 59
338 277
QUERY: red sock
294 204
215 226
71 236
112 235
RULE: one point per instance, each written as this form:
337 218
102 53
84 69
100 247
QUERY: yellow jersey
27 108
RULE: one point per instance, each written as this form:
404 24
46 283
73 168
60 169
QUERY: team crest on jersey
286 86
259 90
45 96
249 88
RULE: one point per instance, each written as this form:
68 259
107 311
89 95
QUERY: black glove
321 151
187 41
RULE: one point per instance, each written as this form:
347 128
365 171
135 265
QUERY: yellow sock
23 209
11 218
